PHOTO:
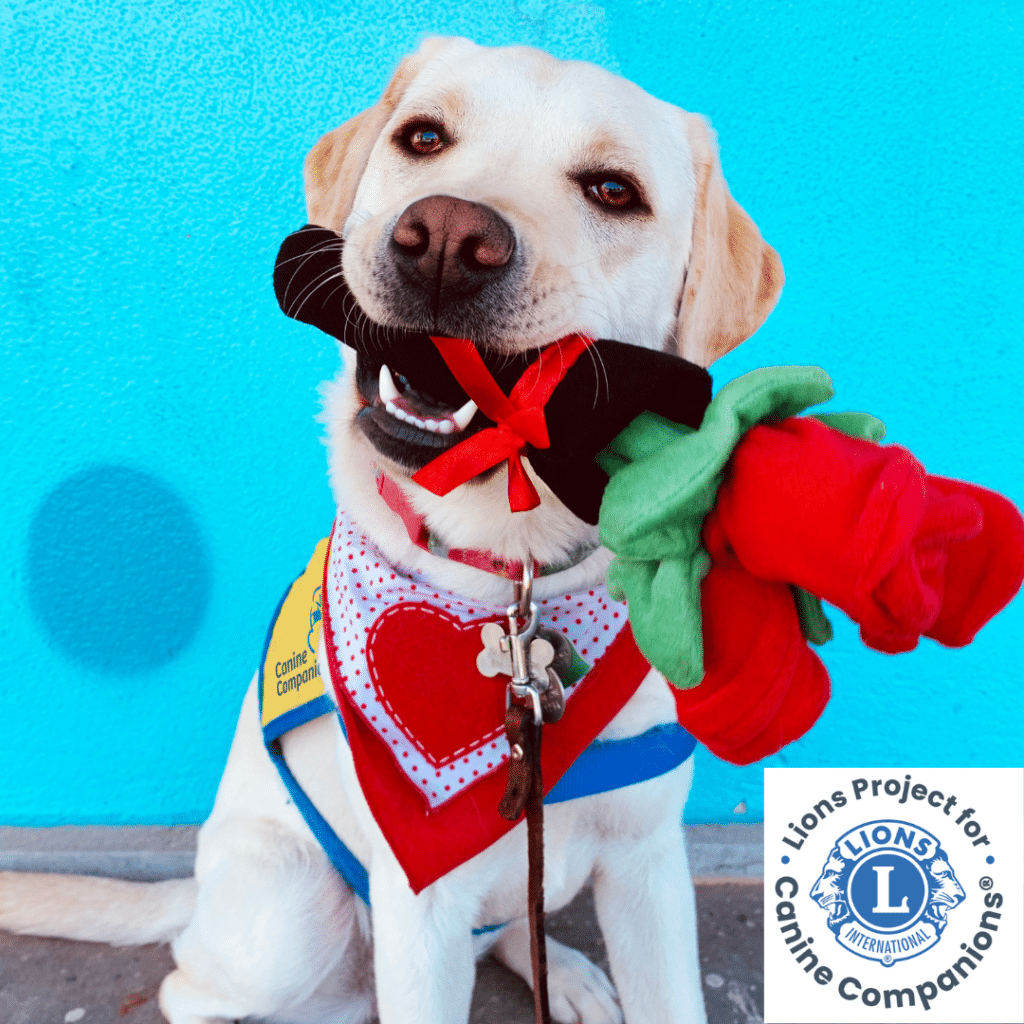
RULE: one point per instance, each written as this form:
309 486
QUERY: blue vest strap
611 764
343 859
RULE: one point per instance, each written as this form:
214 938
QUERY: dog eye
612 192
421 139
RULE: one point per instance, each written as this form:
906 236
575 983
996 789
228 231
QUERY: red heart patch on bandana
422 664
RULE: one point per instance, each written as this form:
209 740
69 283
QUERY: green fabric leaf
814 622
854 424
664 480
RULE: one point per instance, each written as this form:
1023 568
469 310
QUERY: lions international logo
887 886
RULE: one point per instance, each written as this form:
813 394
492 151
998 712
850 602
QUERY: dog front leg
422 951
645 905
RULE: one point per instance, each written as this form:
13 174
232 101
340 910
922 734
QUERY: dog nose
451 242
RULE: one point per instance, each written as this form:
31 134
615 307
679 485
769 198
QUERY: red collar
416 528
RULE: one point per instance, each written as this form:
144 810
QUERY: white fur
268 929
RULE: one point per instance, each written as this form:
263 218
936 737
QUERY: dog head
513 198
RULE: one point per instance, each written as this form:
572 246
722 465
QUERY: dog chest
422 722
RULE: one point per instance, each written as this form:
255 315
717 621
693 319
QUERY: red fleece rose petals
982 574
744 624
904 554
864 527
763 686
851 521
805 700
805 504
916 584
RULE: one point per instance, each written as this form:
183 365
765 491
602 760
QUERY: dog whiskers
304 257
312 288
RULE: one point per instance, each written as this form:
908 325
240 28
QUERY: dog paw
579 991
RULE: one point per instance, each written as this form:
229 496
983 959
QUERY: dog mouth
409 426
422 411
413 409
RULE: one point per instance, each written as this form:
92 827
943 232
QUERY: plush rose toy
731 519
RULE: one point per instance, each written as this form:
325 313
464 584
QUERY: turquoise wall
161 477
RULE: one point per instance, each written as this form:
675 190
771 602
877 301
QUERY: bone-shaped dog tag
496 658
541 655
548 658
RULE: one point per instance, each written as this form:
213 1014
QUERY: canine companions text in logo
893 894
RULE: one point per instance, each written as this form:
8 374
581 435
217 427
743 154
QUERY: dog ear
733 278
335 165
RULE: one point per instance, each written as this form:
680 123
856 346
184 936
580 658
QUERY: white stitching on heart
402 609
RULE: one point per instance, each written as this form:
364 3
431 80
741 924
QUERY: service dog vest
424 726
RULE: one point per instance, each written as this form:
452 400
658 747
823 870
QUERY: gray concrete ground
50 981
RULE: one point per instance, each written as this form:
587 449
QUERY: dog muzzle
557 405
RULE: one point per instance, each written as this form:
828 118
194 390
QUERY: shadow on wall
117 570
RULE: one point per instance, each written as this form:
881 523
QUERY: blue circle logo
888 891
887 886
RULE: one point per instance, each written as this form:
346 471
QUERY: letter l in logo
882 883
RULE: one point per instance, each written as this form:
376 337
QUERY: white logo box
894 894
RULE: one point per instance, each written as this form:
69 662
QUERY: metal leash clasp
517 642
525 788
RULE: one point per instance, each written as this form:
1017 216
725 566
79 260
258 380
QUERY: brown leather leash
524 723
525 790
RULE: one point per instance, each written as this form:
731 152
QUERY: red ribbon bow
519 417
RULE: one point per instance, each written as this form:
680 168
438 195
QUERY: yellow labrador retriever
587 206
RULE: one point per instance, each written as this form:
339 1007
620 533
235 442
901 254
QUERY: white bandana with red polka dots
363 588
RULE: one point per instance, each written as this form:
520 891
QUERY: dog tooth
445 426
386 387
464 415
391 407
416 421
433 425
401 414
